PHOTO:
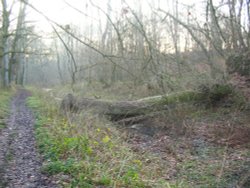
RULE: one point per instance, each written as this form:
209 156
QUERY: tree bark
5 49
17 60
124 109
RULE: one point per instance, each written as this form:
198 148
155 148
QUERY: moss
186 96
218 92
224 95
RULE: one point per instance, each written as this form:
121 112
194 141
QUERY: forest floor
209 148
20 162
194 145
185 147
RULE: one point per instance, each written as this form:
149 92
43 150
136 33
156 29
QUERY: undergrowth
5 96
85 151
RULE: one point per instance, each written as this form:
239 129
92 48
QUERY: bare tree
155 46
5 43
13 43
17 60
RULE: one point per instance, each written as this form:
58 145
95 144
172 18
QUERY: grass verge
5 96
200 147
85 151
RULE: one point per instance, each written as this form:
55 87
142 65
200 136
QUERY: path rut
20 163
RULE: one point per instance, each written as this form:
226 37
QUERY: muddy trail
20 163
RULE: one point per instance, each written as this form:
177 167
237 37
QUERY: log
123 109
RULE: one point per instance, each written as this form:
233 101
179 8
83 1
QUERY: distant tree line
158 43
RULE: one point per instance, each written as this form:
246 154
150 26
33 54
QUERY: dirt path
20 163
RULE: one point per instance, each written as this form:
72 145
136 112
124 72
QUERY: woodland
129 93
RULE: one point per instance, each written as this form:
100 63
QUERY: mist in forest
165 45
125 93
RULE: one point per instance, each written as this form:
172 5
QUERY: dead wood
118 110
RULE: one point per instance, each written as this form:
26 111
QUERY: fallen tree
124 109
210 96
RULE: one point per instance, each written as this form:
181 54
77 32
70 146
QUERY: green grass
212 171
89 151
5 96
85 150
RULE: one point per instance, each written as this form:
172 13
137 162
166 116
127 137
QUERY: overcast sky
60 12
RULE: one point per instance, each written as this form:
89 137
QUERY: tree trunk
123 109
18 45
5 46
